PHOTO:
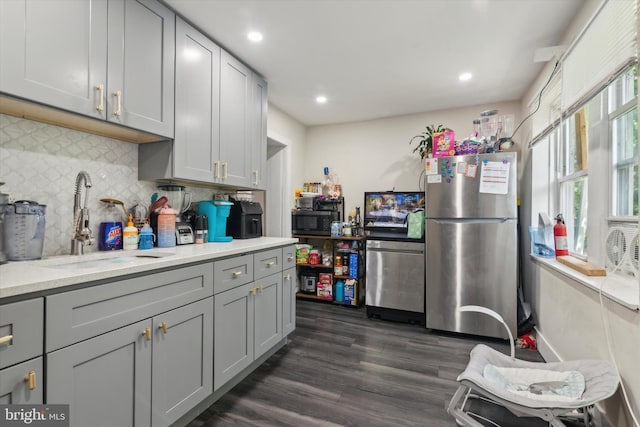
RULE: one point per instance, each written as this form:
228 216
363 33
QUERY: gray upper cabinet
258 141
108 60
140 85
235 111
196 146
41 62
220 119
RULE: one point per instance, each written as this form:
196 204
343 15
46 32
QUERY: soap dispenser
130 236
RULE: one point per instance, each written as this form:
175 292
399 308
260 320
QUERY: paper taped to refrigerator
494 177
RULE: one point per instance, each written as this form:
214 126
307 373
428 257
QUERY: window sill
622 290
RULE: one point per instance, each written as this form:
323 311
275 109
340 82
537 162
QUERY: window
623 113
573 179
589 166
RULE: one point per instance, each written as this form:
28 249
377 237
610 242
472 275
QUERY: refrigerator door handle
469 220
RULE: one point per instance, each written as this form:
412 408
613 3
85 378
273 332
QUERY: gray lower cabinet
22 383
289 289
142 344
182 374
233 333
268 314
21 335
152 371
114 60
105 380
248 322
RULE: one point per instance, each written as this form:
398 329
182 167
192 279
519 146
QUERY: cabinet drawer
15 383
77 315
232 272
21 331
267 263
288 257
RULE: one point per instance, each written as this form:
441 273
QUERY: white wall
569 315
375 155
285 129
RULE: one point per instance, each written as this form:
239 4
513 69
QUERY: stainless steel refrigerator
471 243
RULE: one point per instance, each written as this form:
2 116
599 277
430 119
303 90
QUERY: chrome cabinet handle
287 277
255 177
236 274
270 264
118 95
6 339
100 89
224 168
290 258
30 379
216 166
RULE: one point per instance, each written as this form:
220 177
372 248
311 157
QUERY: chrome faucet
81 232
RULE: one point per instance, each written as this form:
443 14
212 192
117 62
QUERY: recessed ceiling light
255 36
465 76
321 99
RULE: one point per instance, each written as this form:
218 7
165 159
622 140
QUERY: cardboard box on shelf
325 286
350 292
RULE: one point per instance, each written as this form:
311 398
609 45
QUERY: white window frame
565 183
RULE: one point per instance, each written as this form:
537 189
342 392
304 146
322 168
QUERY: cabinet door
15 387
197 143
182 360
258 122
41 62
141 65
21 331
233 336
105 380
268 313
235 96
289 300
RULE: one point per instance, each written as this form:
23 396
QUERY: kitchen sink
103 260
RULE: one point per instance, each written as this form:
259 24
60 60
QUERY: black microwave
315 223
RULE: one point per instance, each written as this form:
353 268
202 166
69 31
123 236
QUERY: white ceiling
382 58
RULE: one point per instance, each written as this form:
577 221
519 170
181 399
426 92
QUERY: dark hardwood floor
342 369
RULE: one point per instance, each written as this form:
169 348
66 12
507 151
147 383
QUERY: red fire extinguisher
560 237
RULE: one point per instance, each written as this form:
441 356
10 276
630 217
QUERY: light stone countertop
18 278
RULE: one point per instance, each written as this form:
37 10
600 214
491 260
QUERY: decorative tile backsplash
40 162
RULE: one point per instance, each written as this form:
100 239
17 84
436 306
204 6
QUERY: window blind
605 47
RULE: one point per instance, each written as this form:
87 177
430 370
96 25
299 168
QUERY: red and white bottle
560 237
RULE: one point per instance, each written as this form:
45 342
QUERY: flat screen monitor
386 211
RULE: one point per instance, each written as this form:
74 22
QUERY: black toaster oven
315 223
